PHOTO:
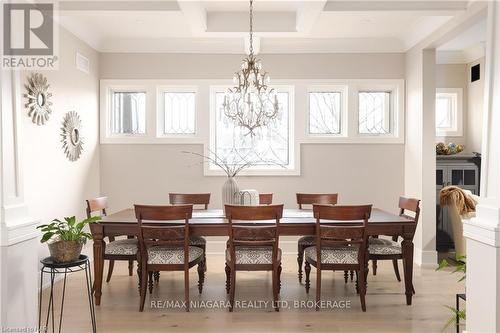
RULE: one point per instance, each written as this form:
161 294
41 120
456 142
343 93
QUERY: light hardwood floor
386 308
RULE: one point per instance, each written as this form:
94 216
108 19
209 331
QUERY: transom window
128 113
325 111
179 112
267 148
374 112
449 112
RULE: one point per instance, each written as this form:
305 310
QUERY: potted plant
66 238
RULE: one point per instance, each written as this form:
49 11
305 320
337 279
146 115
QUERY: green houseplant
461 268
66 238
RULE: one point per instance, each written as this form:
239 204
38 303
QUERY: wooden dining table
294 223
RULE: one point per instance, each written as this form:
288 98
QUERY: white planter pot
229 189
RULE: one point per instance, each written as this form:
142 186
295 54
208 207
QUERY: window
179 112
128 113
449 112
270 148
374 112
325 111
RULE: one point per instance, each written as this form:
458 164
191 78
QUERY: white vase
229 189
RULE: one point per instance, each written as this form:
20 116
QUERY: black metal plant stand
458 297
53 268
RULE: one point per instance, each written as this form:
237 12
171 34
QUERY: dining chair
166 248
202 199
305 241
265 198
390 249
115 249
253 247
339 247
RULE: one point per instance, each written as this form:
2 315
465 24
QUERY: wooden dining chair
253 247
202 199
115 249
390 249
265 198
305 241
166 248
339 247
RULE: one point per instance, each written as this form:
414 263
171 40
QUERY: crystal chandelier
251 103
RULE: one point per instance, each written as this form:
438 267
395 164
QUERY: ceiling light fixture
251 103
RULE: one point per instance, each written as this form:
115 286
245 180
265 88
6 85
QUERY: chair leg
279 278
318 287
110 270
186 288
300 260
307 268
374 266
396 269
413 289
232 289
346 276
204 247
352 275
201 276
130 267
143 282
357 282
156 276
275 288
150 282
228 278
362 289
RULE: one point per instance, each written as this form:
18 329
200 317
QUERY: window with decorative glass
325 112
374 112
266 148
179 112
128 113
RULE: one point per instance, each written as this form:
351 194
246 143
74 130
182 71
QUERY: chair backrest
311 198
328 235
409 204
189 199
99 204
176 234
252 235
265 198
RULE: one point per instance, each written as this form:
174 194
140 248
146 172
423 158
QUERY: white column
483 232
18 236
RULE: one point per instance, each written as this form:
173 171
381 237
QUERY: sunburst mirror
38 96
71 136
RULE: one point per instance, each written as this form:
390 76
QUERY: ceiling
300 26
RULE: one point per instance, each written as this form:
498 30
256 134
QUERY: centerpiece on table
66 238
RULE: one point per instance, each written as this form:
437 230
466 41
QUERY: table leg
97 234
407 247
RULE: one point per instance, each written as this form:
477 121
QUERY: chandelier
251 103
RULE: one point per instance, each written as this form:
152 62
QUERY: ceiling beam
436 6
196 15
168 5
307 15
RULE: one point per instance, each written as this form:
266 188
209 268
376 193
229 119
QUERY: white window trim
459 117
160 114
293 168
344 91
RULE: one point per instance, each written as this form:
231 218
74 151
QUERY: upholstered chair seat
126 247
253 255
197 241
164 255
307 241
334 255
381 246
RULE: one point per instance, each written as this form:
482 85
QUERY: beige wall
54 186
455 76
475 109
360 173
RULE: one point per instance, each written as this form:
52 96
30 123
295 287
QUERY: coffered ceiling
282 26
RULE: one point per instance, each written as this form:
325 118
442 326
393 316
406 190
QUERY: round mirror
40 99
75 136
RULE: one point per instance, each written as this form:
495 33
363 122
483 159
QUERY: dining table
294 222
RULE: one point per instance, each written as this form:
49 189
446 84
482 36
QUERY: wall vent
475 73
82 63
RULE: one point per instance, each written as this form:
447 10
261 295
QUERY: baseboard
425 257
